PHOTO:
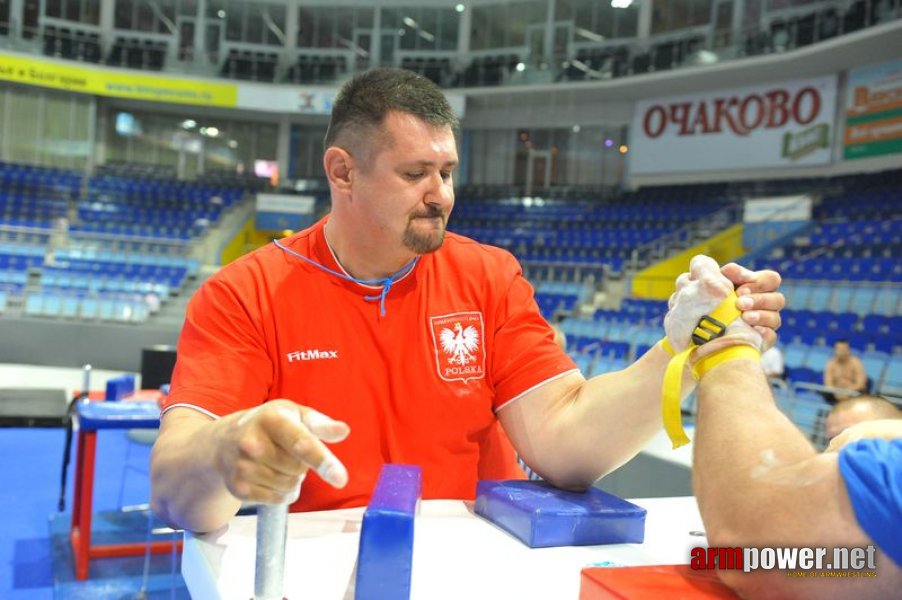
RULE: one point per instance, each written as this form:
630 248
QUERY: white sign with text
783 124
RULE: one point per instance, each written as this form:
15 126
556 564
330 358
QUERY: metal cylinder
86 381
272 531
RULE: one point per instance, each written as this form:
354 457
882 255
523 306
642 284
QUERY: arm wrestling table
456 554
91 417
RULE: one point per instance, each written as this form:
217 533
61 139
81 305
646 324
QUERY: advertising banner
308 100
768 220
276 212
115 83
134 85
783 124
874 111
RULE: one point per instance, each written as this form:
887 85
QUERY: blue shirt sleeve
872 470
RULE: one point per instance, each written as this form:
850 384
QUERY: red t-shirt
461 336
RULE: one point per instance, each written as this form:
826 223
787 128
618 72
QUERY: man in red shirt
376 329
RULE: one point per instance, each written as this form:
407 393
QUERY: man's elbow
570 480
160 509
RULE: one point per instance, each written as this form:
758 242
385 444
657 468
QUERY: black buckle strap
708 329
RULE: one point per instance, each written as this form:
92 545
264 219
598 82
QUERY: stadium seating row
88 308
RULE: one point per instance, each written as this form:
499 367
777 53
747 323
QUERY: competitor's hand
699 292
264 453
887 429
759 300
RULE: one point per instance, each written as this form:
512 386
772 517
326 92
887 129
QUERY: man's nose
441 192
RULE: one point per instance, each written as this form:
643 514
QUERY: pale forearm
601 424
187 490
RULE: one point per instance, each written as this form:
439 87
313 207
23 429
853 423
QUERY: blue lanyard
385 282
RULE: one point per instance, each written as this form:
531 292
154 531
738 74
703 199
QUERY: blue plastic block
386 538
118 388
542 516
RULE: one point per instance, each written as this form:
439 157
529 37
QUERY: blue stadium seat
892 377
817 357
874 365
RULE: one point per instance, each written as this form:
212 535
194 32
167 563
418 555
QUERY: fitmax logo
311 355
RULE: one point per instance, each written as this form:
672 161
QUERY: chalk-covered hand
698 293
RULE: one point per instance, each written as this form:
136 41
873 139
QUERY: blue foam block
118 388
386 538
542 516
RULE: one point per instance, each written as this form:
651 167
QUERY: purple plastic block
542 516
386 538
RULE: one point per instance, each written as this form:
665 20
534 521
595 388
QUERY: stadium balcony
139 53
317 68
436 69
588 58
250 65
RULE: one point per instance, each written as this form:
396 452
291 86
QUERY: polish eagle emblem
460 343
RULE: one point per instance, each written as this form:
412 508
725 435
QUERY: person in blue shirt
761 484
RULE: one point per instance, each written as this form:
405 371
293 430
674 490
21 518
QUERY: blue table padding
542 516
117 415
386 537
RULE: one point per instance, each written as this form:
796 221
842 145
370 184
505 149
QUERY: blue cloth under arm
872 470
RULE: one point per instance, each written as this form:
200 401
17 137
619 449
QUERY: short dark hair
364 102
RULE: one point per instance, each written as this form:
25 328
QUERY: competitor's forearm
745 449
187 490
595 427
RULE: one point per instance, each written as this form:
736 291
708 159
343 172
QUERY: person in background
772 362
844 370
761 484
858 410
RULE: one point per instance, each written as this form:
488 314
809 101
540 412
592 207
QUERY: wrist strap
710 327
706 363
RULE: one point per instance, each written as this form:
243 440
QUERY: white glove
699 292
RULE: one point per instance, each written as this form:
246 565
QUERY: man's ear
338 164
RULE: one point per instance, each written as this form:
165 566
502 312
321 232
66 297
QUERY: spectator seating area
488 70
438 70
311 68
136 53
72 44
150 207
611 339
777 29
547 235
253 66
842 282
124 242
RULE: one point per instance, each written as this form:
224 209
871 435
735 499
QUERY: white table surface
661 447
457 555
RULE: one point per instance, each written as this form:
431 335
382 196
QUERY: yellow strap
709 327
670 398
706 363
668 347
